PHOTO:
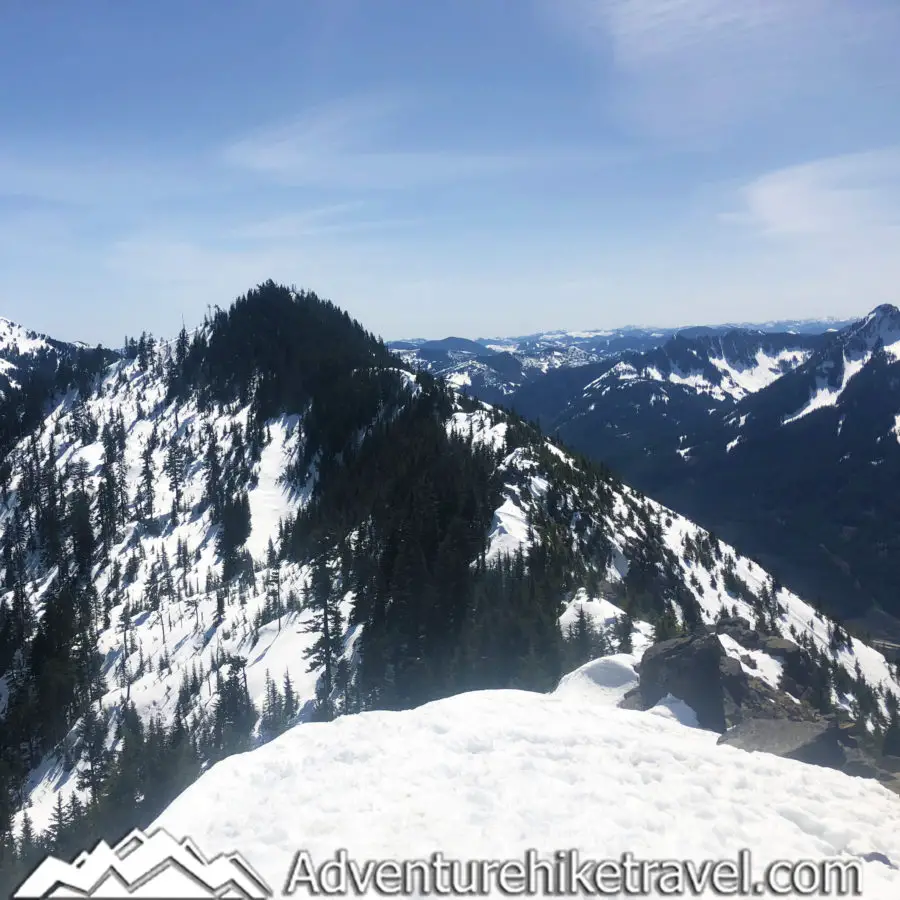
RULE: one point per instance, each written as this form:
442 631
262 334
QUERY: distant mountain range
493 369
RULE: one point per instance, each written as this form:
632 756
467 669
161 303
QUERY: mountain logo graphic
153 865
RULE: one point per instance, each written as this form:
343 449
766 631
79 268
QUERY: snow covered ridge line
565 873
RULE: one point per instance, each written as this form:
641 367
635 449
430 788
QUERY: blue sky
475 167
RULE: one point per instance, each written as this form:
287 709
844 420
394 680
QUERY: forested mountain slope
635 411
802 473
272 521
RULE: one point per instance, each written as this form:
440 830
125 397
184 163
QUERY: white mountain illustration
154 865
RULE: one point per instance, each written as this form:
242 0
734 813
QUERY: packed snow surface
491 774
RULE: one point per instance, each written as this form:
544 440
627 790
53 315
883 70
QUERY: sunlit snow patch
825 395
270 500
677 710
761 664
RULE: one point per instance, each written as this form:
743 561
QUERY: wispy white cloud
852 196
70 179
300 227
692 69
298 222
370 142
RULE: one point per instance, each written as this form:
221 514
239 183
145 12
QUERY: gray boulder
688 668
697 670
781 649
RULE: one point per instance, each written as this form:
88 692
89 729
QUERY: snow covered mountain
270 523
633 412
16 345
33 367
732 365
22 352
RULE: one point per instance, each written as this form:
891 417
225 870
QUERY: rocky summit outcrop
697 670
750 714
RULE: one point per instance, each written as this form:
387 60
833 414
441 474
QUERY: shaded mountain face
273 521
802 473
787 445
634 412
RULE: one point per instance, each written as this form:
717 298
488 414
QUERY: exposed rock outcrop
697 670
750 714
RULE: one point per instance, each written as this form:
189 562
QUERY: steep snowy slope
825 375
488 775
270 522
732 366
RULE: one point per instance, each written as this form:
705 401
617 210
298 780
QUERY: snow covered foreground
489 775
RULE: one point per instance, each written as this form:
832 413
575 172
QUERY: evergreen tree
289 698
234 714
212 473
175 469
28 844
624 629
582 638
326 624
95 755
146 494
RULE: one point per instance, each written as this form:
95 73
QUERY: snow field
488 775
